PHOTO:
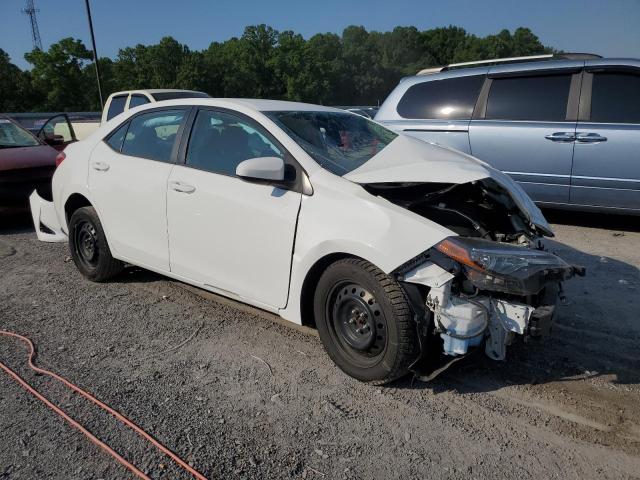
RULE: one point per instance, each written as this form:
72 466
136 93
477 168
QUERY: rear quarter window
115 139
449 99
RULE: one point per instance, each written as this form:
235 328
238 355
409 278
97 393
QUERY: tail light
59 158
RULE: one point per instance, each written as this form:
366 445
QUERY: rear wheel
365 322
89 248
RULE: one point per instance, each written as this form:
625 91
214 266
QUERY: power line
31 11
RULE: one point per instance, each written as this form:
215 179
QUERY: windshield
339 142
11 135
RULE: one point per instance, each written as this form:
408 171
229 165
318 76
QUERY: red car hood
27 157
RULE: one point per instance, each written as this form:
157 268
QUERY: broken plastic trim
499 267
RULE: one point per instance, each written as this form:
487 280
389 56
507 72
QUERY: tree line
359 67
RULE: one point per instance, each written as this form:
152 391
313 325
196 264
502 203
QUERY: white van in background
119 102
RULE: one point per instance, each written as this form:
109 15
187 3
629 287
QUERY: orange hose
88 396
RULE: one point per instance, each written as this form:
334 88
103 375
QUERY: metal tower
35 32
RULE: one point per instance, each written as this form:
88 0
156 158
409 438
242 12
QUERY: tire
89 248
365 321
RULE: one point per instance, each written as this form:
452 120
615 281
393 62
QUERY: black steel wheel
364 321
89 248
358 324
86 243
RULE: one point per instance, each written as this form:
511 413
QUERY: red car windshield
11 135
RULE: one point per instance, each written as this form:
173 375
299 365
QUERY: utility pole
31 11
95 53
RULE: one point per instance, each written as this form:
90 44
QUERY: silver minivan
566 127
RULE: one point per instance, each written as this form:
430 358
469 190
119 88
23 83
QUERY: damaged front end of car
485 286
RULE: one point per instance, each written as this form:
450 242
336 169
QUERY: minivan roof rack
495 61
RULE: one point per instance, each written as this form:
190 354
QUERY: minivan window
137 100
220 141
450 99
116 107
151 135
615 98
539 98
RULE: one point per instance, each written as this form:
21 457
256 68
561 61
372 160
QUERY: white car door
226 233
128 175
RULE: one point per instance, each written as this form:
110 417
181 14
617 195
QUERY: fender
357 224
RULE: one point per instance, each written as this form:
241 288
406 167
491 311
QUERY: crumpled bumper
45 220
466 321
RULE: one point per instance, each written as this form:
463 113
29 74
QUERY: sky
610 28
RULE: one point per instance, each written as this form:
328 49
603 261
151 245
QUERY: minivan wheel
89 248
365 322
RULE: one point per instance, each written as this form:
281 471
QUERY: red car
27 161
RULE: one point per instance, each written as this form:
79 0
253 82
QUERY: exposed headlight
503 267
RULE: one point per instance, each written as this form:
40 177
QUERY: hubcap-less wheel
86 244
89 247
357 321
364 321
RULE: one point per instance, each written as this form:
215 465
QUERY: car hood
27 157
407 159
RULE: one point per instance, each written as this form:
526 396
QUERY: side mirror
262 168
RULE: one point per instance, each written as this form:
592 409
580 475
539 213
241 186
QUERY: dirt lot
240 396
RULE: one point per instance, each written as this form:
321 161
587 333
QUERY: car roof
256 104
520 67
152 91
263 105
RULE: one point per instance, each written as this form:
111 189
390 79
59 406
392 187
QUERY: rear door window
449 99
152 135
116 107
615 97
137 100
537 98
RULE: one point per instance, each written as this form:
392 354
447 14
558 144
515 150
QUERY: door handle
590 137
182 187
100 166
561 137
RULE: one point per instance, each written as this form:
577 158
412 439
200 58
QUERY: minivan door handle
590 137
100 166
182 187
561 137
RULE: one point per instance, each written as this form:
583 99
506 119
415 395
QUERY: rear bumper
45 220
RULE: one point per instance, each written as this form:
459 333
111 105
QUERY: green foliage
57 75
357 67
15 85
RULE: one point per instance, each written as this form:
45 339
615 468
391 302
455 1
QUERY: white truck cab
119 102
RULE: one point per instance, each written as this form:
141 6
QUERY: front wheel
89 248
365 322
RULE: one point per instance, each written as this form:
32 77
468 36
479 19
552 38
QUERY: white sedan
404 255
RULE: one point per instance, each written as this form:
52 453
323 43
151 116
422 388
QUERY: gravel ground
240 396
